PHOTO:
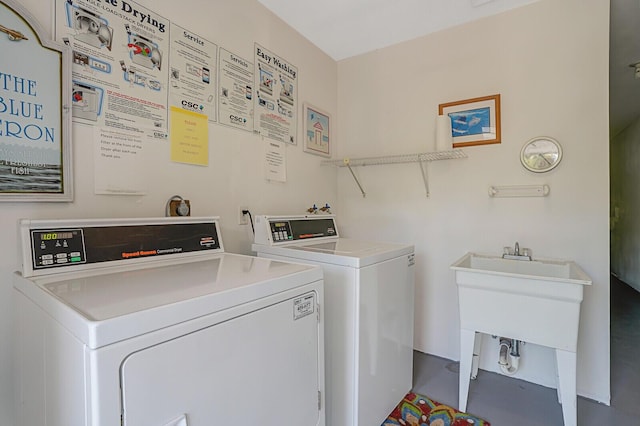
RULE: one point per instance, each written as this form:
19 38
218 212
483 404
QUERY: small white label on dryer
303 306
412 259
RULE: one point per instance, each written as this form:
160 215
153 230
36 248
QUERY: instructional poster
275 103
192 78
120 56
235 98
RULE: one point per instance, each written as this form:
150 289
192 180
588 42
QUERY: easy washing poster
275 103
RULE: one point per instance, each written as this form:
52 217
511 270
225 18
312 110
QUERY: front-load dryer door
261 368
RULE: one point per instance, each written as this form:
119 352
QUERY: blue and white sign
34 123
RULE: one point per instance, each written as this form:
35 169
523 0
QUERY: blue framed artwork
317 131
474 121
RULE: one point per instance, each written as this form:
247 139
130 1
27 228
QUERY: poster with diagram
275 103
235 98
119 73
192 78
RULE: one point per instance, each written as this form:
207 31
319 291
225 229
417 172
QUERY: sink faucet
516 254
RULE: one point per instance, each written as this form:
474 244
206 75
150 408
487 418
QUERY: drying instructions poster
120 55
192 78
235 103
276 84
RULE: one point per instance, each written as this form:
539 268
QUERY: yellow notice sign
189 133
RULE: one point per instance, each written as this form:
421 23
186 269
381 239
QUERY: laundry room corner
235 173
548 61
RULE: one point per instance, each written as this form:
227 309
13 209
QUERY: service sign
35 158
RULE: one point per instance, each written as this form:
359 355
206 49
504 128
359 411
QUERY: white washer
140 322
369 298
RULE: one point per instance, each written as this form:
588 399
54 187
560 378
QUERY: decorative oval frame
541 154
34 168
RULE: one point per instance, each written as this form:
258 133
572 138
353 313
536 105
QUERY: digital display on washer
302 229
70 246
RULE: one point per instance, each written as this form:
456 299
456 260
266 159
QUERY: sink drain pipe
509 355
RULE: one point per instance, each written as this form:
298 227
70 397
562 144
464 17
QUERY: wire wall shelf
421 158
397 159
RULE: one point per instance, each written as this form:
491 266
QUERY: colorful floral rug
418 410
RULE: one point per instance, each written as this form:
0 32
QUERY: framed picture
35 122
474 121
317 131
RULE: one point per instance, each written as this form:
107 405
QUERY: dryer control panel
61 244
57 247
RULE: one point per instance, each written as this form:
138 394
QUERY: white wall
625 205
549 62
234 176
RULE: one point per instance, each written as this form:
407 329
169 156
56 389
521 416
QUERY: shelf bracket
425 178
346 163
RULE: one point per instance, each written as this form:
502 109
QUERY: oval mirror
541 154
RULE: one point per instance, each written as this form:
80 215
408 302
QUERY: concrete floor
505 401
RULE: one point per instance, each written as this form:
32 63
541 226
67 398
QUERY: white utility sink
548 269
535 301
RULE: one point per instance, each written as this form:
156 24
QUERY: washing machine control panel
301 229
281 231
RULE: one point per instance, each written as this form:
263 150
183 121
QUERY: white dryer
369 298
148 322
